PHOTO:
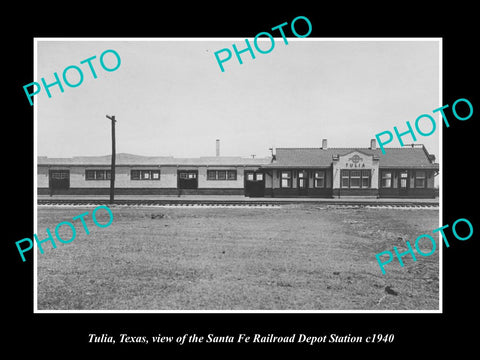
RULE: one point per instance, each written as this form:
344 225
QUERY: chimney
218 147
324 143
373 144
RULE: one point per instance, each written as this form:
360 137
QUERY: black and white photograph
261 187
227 180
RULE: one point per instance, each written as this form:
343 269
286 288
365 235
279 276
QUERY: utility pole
112 169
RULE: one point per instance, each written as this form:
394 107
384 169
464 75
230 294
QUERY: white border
35 119
35 176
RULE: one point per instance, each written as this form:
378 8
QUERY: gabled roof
406 157
123 159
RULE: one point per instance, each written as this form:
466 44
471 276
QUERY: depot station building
322 172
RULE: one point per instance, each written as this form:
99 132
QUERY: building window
302 181
259 177
187 175
345 175
145 175
89 174
319 179
355 179
250 176
222 175
366 179
403 179
286 180
59 174
386 179
135 175
420 181
211 175
232 175
97 174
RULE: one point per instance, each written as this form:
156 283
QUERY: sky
170 98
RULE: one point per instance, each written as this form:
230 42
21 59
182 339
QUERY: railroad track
238 203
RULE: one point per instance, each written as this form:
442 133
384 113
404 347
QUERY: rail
243 203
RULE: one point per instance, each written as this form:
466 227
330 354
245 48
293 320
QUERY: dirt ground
297 257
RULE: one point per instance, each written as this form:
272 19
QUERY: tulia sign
355 162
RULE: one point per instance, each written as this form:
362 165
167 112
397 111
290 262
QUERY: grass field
298 257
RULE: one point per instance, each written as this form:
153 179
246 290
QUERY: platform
236 198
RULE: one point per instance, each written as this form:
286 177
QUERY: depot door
302 183
187 179
403 182
58 180
254 184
